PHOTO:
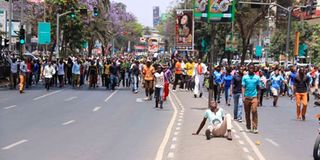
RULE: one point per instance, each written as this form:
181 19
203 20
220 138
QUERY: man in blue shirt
217 82
276 81
250 89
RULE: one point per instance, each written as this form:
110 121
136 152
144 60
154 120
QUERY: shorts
275 92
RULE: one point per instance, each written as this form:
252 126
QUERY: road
80 124
98 124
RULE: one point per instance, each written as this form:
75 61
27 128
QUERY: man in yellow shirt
107 74
148 72
190 70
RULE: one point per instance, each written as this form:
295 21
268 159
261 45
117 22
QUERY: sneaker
303 117
195 96
173 90
255 131
248 130
229 137
240 120
208 134
200 95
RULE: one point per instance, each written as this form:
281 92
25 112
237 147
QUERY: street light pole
10 24
288 35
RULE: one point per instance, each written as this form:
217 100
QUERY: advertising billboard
153 45
200 8
214 10
184 30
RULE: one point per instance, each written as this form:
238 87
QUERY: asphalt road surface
80 124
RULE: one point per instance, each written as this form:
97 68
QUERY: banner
221 10
200 8
184 30
153 45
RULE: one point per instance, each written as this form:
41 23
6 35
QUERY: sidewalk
189 147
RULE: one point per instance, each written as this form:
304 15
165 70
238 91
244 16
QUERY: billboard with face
184 29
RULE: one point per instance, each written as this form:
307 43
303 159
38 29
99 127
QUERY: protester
159 84
93 75
226 84
276 81
199 70
219 122
250 89
148 72
48 73
236 87
217 83
301 84
61 71
178 75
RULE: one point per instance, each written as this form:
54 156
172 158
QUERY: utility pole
10 24
210 61
22 47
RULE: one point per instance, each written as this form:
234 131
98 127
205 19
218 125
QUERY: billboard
153 45
214 10
156 16
184 30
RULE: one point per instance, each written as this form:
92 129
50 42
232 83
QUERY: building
156 16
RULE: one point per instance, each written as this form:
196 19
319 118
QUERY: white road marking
181 116
272 142
176 133
96 109
241 142
170 155
69 122
71 98
178 128
46 95
252 145
13 106
139 100
179 124
174 139
165 140
173 146
106 100
245 149
179 120
250 157
237 136
233 130
14 144
181 113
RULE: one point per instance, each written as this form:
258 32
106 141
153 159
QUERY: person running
106 71
301 84
291 80
178 75
250 89
263 87
48 73
167 75
22 75
217 82
60 71
135 72
276 81
236 85
190 71
148 72
219 123
93 75
76 74
114 72
159 84
226 84
199 70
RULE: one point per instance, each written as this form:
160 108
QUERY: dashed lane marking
179 124
71 98
14 144
176 133
68 122
165 140
236 136
245 149
252 145
46 95
139 100
272 142
96 109
178 128
173 146
106 100
170 155
9 107
241 142
250 157
174 139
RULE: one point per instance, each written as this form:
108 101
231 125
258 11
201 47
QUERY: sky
143 9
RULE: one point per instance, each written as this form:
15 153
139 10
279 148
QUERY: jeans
135 80
238 104
217 91
114 81
227 94
158 96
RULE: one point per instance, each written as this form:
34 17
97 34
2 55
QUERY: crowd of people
247 85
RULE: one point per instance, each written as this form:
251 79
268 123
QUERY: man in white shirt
14 73
48 73
219 122
159 84
199 70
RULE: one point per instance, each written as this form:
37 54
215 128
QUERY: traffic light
21 36
95 12
72 13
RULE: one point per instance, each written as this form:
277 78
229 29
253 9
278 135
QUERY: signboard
44 33
153 45
184 30
258 51
15 28
215 10
303 49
